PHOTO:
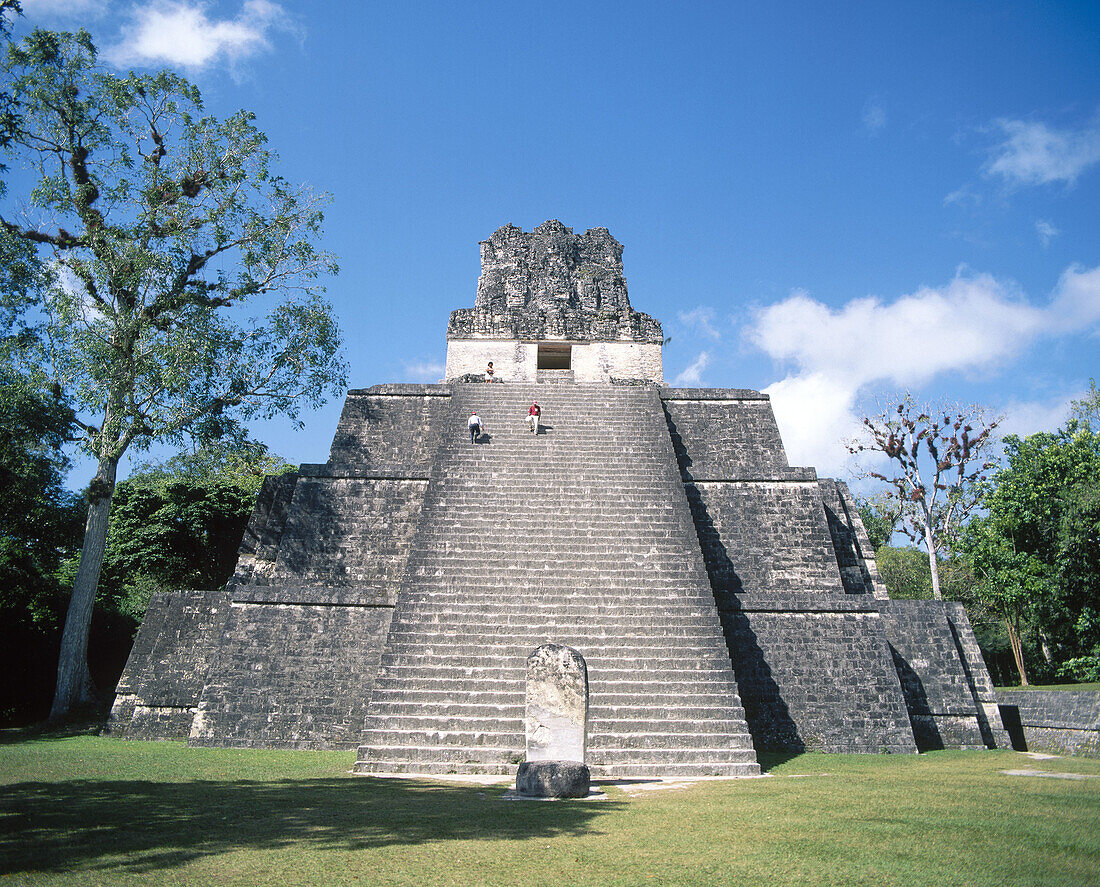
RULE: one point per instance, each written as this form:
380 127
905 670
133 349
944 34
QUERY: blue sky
828 202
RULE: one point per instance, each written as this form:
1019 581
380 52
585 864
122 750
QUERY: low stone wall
1064 722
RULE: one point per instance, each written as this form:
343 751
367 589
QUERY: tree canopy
1036 550
160 231
937 459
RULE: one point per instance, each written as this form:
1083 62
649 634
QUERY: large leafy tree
179 524
164 227
937 461
1037 550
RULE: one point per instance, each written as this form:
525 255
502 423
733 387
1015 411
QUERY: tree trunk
1017 650
933 563
74 680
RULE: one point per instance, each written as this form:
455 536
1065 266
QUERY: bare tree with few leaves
939 458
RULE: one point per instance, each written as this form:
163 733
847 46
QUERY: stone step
442 698
596 649
599 771
617 691
600 549
598 714
602 731
599 745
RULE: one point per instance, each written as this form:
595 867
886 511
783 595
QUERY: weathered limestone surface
552 284
553 779
556 719
1064 722
159 690
389 597
939 697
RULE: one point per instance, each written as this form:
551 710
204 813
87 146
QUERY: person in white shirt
475 426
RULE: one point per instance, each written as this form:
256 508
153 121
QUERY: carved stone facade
553 300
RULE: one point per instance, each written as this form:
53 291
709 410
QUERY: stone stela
556 719
555 724
726 602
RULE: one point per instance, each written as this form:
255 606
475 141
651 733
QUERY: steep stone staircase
580 535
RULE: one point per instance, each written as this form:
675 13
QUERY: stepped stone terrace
726 602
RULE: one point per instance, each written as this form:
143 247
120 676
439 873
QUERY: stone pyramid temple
726 602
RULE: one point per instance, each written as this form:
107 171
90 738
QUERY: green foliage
879 520
906 574
163 219
1036 553
179 524
40 524
163 229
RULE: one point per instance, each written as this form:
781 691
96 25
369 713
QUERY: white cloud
1035 154
1076 304
426 371
873 116
1028 417
701 319
963 196
179 32
693 374
1046 231
974 322
816 417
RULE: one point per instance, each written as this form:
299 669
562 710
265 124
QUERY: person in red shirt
533 417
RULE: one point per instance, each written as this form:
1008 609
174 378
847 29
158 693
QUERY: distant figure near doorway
489 372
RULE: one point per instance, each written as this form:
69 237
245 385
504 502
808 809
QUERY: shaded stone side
1060 721
291 677
854 555
160 686
724 437
818 681
977 674
938 695
764 537
345 531
392 427
260 543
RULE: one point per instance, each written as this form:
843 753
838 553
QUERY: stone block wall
159 690
809 652
854 554
1065 722
349 531
724 434
291 676
816 678
389 429
764 536
260 544
938 693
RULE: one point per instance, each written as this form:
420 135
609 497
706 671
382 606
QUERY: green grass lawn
89 810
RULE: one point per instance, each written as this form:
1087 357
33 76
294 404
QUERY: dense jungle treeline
1027 563
173 525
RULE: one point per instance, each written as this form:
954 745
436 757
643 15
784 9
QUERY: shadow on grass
769 760
141 826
